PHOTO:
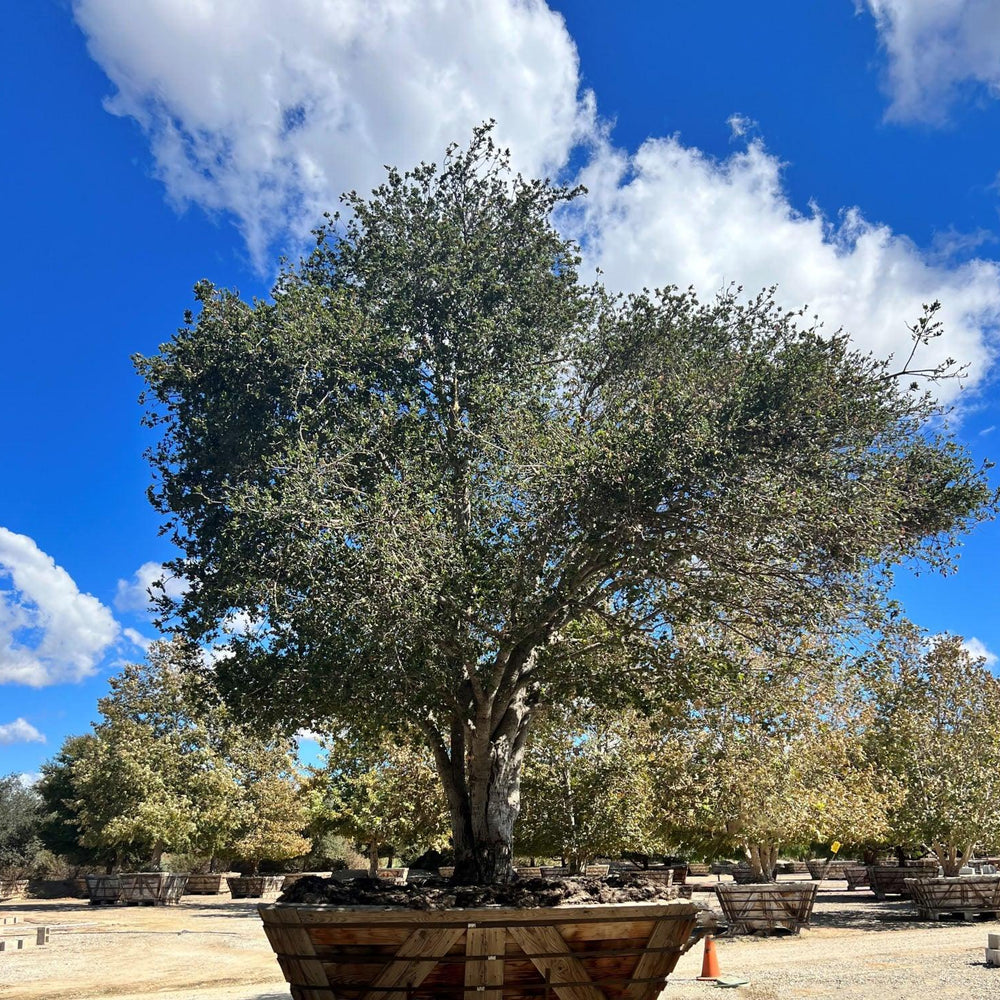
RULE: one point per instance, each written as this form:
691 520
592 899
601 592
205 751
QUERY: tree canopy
446 481
937 729
771 752
167 769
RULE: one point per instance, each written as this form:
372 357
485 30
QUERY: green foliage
938 732
588 788
771 752
447 482
380 793
166 769
20 820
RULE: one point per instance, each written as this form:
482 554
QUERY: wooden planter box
662 876
104 889
818 870
696 870
792 868
856 875
152 888
77 888
209 884
13 888
614 952
745 875
968 895
767 906
254 886
292 877
394 874
890 880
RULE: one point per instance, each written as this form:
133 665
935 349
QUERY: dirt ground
214 949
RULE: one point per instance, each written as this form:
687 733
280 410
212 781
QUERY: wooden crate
152 888
745 875
394 874
968 895
13 888
597 871
818 869
292 877
104 889
662 876
696 870
768 906
890 880
254 886
856 875
616 952
208 884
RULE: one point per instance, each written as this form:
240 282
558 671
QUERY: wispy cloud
134 594
978 649
49 631
19 731
272 126
937 50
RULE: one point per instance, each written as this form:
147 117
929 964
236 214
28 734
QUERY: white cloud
137 639
49 631
937 48
19 731
29 779
272 125
133 595
672 215
978 649
271 111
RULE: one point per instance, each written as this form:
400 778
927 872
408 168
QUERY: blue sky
846 152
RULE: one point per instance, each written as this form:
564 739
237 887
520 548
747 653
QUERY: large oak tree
448 481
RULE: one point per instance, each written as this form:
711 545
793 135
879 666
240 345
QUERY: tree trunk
763 858
373 846
482 782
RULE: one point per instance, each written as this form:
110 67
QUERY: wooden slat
485 948
550 954
413 963
656 965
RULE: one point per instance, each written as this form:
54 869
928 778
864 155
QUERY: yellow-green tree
166 769
380 792
769 754
938 731
588 788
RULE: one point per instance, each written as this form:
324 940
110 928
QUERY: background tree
383 793
271 808
442 478
588 789
20 820
938 731
771 753
167 769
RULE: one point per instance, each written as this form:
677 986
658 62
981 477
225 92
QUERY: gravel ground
214 949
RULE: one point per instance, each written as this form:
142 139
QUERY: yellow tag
835 846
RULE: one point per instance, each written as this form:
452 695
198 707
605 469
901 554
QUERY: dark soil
440 894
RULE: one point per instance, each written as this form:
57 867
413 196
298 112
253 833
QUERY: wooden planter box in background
817 869
292 877
767 906
394 874
890 880
970 895
255 886
104 889
207 884
856 875
614 952
13 888
152 888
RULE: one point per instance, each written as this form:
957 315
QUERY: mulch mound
440 894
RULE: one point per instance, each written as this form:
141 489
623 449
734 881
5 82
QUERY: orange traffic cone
710 963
